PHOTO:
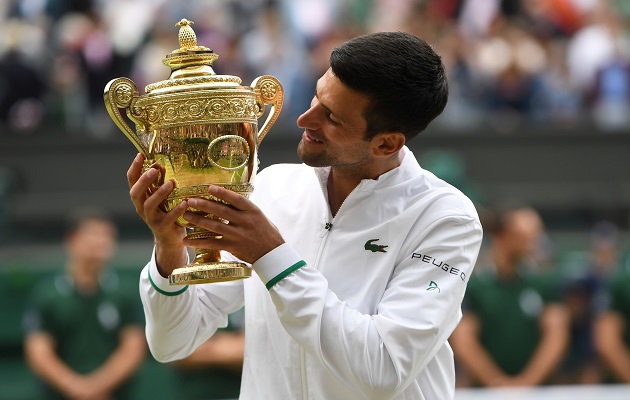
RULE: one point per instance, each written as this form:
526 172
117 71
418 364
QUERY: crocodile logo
375 247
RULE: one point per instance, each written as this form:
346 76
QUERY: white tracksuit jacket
361 309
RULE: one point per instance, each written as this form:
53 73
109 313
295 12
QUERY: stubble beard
312 160
334 160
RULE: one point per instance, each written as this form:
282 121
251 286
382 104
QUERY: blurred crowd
533 316
556 64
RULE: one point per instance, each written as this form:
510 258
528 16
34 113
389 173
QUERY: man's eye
329 117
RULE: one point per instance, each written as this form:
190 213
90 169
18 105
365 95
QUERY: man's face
523 233
94 241
334 127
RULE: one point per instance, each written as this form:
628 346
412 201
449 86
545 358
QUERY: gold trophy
198 128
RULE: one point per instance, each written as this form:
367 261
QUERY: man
612 329
586 295
514 331
361 257
213 370
84 338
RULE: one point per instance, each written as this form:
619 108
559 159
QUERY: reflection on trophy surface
197 128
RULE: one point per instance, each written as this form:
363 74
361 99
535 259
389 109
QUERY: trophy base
209 272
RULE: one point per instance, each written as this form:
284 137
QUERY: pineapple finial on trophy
187 37
189 54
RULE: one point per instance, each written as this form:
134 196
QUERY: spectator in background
21 86
593 45
213 371
584 295
84 336
514 331
511 62
610 97
612 328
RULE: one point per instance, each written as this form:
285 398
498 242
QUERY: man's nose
309 119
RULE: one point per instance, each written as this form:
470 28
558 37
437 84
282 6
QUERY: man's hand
84 388
243 228
170 251
147 202
41 356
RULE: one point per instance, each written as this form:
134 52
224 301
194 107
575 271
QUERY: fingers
162 169
155 216
241 227
140 188
148 192
218 226
147 199
163 224
234 199
238 209
220 219
214 208
160 194
135 170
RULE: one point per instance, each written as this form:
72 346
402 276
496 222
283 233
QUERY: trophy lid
191 66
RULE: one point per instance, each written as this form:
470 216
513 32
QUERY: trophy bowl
197 129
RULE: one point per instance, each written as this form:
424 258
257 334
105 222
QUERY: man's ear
388 143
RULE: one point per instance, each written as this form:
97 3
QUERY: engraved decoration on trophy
197 128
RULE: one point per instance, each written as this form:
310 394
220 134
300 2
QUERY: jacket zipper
324 235
329 225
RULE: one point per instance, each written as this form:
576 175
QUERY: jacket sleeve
180 318
379 355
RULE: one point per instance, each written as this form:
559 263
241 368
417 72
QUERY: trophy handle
268 91
121 93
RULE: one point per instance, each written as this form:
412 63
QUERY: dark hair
78 217
497 220
402 76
